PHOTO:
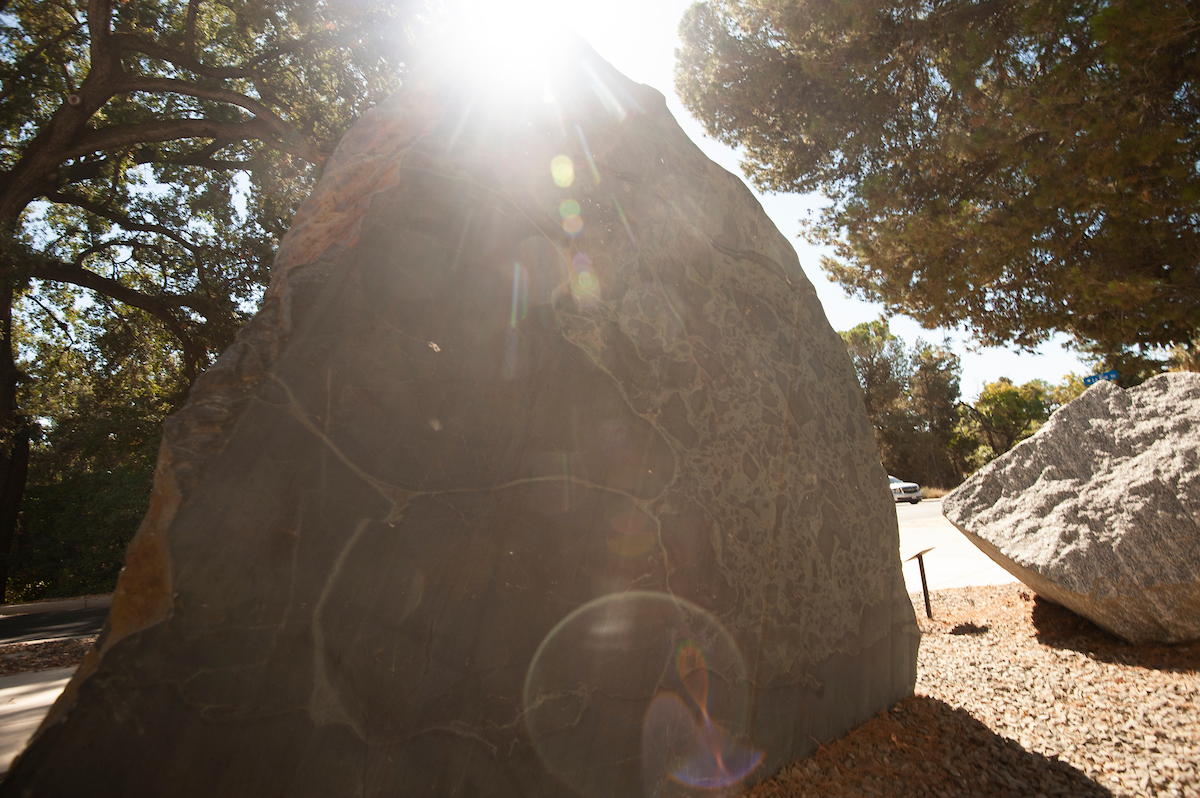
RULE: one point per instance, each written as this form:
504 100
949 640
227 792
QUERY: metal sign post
920 558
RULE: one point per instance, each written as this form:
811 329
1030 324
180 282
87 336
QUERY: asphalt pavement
56 625
24 700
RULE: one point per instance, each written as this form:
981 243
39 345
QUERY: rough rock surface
1098 510
534 475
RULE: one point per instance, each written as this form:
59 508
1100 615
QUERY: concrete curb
56 605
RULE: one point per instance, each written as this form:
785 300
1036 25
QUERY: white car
905 491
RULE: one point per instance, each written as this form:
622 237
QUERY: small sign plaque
1095 378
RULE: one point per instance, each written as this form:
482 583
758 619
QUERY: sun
508 50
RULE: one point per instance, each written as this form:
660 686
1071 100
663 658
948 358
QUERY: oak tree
152 152
1015 167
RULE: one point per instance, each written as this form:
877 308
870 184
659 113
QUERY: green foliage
1132 366
1003 415
923 430
934 392
882 367
911 401
1185 357
99 387
1070 389
152 153
1014 167
74 533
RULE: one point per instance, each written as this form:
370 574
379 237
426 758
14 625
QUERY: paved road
954 561
52 625
920 513
24 700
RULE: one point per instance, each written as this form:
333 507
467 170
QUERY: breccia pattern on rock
1098 510
540 472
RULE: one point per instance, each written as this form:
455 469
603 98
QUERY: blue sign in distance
1108 375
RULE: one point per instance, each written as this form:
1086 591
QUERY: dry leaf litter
23 657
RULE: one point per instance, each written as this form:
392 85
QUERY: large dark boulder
1098 511
539 472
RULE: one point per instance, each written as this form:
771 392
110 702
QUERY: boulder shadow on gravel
925 747
1059 627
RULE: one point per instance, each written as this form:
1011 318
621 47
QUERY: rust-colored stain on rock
367 161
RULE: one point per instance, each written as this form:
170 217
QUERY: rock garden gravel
1016 696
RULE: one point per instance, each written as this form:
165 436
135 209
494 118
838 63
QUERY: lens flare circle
640 688
588 283
562 170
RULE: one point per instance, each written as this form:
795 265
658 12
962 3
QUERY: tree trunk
14 437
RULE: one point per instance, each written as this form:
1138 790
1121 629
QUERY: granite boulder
1099 511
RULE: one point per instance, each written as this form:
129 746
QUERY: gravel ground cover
22 657
1019 697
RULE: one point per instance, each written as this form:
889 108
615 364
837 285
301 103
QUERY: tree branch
986 427
99 28
978 416
203 158
34 172
192 354
89 170
116 217
173 86
83 254
125 136
62 325
217 165
288 48
189 28
160 307
134 43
